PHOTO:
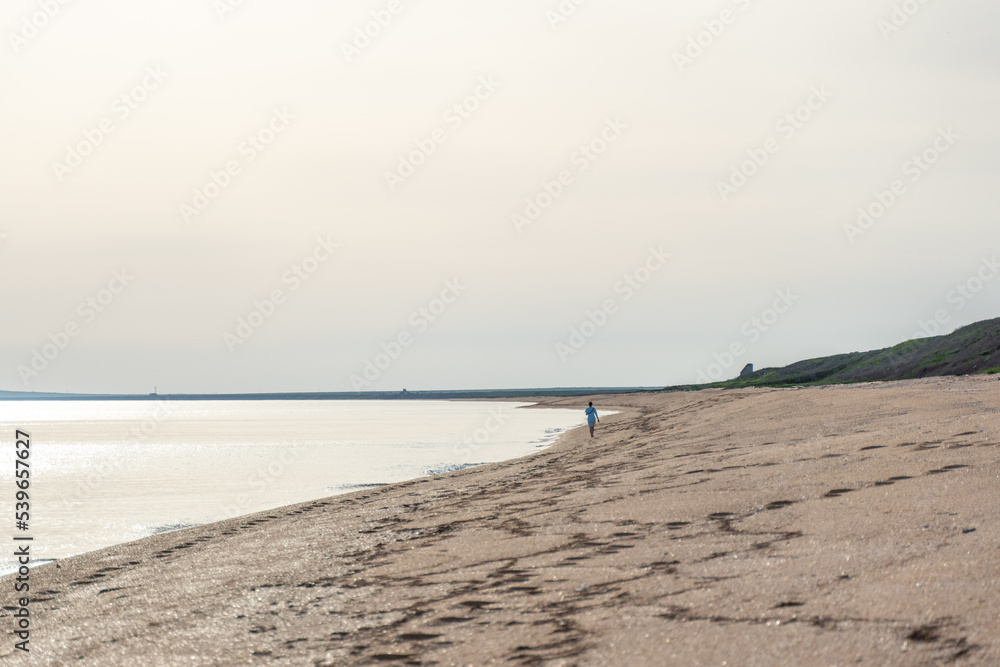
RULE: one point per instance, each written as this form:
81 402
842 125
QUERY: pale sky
833 100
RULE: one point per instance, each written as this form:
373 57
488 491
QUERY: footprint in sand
938 471
779 504
417 636
892 480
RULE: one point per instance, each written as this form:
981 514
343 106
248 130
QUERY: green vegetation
969 350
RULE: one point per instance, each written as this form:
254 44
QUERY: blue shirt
591 415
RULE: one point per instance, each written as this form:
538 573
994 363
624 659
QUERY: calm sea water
108 472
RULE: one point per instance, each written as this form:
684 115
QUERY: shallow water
106 472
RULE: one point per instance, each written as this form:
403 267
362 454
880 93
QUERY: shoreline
250 458
830 524
531 403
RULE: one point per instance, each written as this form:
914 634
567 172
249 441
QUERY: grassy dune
969 350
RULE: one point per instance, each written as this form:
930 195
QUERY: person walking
592 417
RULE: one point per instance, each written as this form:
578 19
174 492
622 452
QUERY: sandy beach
847 525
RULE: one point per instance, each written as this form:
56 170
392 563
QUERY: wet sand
827 526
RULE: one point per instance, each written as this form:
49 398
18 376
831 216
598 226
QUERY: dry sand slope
825 526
